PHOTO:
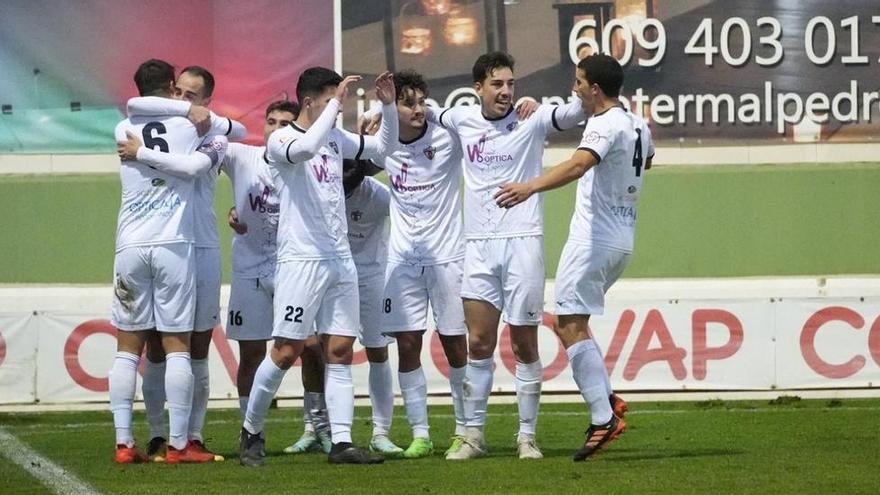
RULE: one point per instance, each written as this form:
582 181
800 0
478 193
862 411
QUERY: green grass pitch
809 446
695 221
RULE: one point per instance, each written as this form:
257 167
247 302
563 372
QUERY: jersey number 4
151 141
638 160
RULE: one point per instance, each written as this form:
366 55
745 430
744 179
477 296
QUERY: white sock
317 412
589 374
608 388
123 382
456 382
528 395
339 392
307 418
153 388
179 391
201 393
477 387
414 390
242 406
267 379
381 396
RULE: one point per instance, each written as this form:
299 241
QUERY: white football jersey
367 212
500 151
608 194
425 176
312 223
157 207
253 254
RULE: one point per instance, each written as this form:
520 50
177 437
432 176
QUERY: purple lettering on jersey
481 153
475 151
322 173
259 203
399 181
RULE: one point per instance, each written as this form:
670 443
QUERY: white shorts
408 289
208 277
370 290
250 309
316 294
585 273
154 287
509 274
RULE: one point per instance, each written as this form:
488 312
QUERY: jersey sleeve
181 165
286 145
597 139
157 105
373 147
215 148
446 118
567 116
224 126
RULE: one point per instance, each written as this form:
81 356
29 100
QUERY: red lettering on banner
874 341
218 338
627 318
668 351
2 349
509 359
71 354
702 353
808 342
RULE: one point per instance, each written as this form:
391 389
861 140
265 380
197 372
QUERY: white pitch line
50 474
41 428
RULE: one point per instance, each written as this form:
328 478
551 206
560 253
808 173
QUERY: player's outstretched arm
570 170
376 147
568 115
205 121
187 166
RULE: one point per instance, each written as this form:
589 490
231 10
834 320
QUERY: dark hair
154 76
206 76
411 79
487 63
283 106
605 71
313 81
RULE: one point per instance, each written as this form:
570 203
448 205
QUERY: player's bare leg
153 390
590 375
529 375
455 348
267 379
382 401
482 320
123 378
339 390
316 433
414 389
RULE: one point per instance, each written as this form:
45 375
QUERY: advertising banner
705 336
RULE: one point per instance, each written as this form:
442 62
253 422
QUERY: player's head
195 85
597 78
493 80
353 173
279 114
155 78
411 90
315 87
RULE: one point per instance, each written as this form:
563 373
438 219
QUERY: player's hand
240 228
526 108
385 87
342 89
201 118
513 194
128 150
371 126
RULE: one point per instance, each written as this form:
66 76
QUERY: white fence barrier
57 344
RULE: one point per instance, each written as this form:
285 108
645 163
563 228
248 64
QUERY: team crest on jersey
157 182
429 152
334 147
592 138
356 215
511 126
